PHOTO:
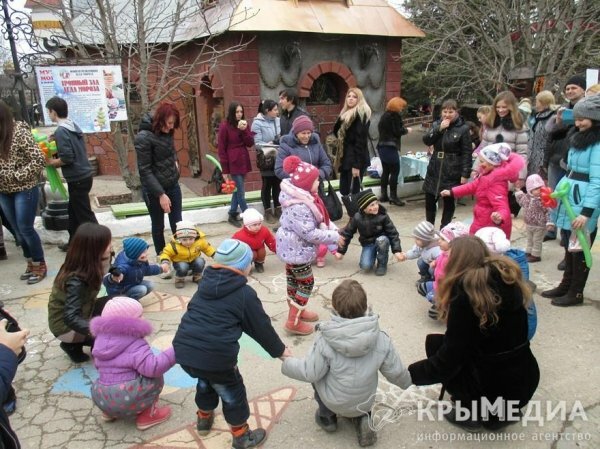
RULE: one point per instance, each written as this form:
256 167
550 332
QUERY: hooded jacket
156 159
313 153
222 308
133 272
121 353
71 151
176 252
344 362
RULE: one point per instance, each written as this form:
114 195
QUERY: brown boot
179 282
38 272
278 212
270 216
294 325
28 270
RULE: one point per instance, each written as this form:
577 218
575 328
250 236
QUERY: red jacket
233 149
256 240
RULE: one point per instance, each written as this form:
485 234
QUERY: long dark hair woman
74 297
234 139
21 165
159 170
485 351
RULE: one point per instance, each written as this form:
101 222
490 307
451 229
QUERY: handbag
331 201
350 199
265 160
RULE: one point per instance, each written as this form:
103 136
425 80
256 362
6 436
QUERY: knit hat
453 230
302 123
424 231
364 198
491 155
533 182
122 306
494 238
251 216
589 107
186 229
577 80
134 247
396 104
302 175
234 254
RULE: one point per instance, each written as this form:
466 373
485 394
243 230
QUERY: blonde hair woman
538 137
352 131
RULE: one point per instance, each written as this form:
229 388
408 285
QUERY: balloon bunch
228 186
49 149
562 193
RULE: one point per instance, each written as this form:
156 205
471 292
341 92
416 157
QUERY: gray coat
344 361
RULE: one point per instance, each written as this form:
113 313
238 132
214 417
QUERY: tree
473 46
163 47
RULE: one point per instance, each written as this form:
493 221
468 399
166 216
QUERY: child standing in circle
130 375
304 226
537 217
256 235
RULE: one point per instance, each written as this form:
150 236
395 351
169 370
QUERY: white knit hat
494 238
251 216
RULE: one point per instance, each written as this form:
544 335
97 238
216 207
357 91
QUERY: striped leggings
300 282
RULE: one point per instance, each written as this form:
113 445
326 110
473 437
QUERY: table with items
413 166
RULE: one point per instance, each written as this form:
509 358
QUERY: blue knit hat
234 254
134 247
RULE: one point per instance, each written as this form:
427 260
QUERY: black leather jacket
370 227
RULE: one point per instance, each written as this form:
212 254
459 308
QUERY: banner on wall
94 93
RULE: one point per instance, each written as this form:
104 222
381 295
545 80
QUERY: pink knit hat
534 182
302 123
122 306
453 230
302 175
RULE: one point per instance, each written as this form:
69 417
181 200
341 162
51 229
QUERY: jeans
182 268
226 385
238 198
270 191
140 290
79 207
157 215
375 251
431 203
20 209
424 268
555 174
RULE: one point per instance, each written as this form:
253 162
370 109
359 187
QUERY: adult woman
234 138
538 137
21 164
391 129
484 352
159 170
351 158
73 300
450 163
266 129
583 179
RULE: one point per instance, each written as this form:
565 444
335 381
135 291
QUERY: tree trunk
122 148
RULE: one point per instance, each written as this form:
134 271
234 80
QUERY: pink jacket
440 269
491 194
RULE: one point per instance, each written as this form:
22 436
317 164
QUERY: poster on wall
94 93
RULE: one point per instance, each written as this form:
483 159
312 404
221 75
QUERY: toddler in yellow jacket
184 251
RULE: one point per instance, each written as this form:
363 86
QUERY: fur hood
580 140
121 326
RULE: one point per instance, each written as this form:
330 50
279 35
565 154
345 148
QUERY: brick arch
319 69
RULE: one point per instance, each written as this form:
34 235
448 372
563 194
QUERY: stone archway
321 68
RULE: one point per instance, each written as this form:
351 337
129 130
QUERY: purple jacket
122 354
233 149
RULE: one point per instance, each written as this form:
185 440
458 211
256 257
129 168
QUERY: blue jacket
133 274
265 129
8 369
222 308
313 153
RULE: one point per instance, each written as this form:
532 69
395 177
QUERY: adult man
76 168
290 111
558 143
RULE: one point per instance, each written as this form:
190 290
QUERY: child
537 217
126 276
206 342
125 362
425 250
344 362
376 233
428 289
490 190
256 236
497 243
304 226
74 297
185 252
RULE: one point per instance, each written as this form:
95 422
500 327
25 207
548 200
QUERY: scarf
321 207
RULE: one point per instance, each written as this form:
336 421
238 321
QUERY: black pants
324 412
157 215
431 209
389 175
347 182
270 191
79 207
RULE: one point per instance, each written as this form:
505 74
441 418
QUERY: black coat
356 139
287 118
473 363
156 159
370 227
222 308
557 146
391 128
454 144
8 369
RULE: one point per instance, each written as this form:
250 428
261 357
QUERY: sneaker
433 312
203 425
152 416
259 267
422 289
179 282
366 436
196 277
251 438
167 275
328 424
